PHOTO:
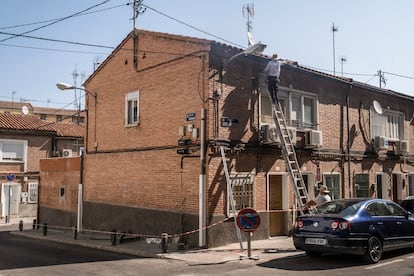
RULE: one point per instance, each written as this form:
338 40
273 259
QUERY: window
333 182
32 192
13 150
303 110
43 117
377 209
395 210
411 185
59 118
132 109
300 109
389 124
242 188
362 185
62 192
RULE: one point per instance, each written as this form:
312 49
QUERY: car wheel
313 253
374 250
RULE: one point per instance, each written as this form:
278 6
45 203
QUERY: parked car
408 204
366 227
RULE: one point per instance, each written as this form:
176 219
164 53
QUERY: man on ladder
273 72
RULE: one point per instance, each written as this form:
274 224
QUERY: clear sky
371 35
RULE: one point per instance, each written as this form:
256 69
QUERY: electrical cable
54 22
191 26
54 19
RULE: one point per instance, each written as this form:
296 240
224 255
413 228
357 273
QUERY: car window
407 204
394 209
344 208
377 209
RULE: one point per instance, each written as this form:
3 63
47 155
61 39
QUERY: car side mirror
407 214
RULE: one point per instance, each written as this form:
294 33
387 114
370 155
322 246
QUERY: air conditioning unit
67 153
313 138
271 134
381 142
401 146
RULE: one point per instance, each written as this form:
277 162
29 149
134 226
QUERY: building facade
166 103
24 140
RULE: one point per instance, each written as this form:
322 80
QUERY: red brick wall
56 173
138 166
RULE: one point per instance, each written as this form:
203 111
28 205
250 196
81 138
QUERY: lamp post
65 86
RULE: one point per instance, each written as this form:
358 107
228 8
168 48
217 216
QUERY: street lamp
65 86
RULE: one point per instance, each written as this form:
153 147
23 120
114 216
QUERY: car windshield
339 207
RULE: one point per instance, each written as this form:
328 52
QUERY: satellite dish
25 110
377 107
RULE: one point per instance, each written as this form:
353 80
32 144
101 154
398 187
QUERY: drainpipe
202 183
348 146
80 197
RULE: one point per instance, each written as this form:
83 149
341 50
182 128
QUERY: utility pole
13 93
137 10
382 79
75 78
334 29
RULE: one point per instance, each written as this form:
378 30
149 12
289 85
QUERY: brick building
153 91
24 140
44 113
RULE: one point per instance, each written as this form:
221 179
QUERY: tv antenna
248 11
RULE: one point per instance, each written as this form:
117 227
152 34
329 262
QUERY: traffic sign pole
248 220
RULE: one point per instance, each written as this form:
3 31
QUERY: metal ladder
230 192
289 154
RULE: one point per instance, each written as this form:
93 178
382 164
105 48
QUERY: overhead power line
54 22
57 40
55 19
191 26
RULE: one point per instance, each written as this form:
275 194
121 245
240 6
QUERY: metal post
80 197
45 229
20 225
202 184
249 245
8 211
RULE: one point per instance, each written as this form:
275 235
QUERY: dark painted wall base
104 217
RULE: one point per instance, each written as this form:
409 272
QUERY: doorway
10 198
277 204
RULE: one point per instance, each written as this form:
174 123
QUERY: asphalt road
24 256
20 252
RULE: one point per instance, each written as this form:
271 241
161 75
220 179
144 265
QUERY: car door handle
398 222
380 223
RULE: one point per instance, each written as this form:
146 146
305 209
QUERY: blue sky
372 35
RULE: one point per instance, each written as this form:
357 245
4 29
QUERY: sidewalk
262 250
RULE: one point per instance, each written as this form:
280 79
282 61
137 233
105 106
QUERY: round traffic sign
248 220
10 177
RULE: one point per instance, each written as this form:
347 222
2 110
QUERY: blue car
366 227
408 204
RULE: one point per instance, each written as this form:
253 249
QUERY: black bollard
45 229
34 224
75 232
21 225
164 242
113 237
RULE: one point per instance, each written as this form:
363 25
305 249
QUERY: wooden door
276 215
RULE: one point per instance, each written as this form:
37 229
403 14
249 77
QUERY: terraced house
24 140
166 104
